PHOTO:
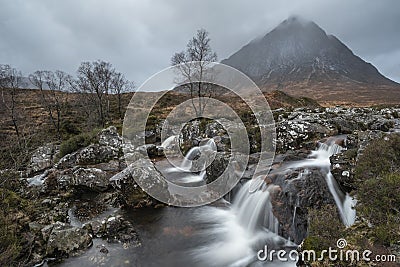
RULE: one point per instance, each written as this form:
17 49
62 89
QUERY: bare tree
121 85
194 67
95 79
57 82
10 82
38 79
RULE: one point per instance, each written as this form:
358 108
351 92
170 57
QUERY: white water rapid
185 166
320 158
239 231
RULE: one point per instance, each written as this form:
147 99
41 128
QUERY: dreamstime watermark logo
340 253
213 76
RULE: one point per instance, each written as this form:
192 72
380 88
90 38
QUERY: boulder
151 150
110 137
300 190
217 167
43 158
92 154
92 178
143 171
65 240
115 229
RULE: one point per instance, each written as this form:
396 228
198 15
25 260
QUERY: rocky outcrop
296 129
299 191
144 172
109 147
99 171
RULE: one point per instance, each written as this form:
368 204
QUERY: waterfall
254 210
186 165
344 202
170 141
320 158
240 230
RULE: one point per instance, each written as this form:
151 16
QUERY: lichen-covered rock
294 134
92 154
65 240
115 229
96 154
92 178
143 171
110 137
342 169
43 158
217 167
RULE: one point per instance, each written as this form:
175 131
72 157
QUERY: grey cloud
139 36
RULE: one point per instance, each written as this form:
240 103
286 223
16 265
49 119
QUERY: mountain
300 58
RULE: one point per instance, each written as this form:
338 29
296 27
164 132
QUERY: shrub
69 128
78 141
379 157
10 246
324 228
378 194
379 202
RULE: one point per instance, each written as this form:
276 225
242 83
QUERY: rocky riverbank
67 202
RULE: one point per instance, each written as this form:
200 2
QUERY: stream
217 235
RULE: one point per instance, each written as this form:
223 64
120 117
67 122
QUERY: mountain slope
298 54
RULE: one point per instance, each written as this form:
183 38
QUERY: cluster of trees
94 83
97 88
89 94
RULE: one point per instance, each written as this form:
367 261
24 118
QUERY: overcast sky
139 36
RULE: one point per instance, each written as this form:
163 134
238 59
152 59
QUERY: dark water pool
171 237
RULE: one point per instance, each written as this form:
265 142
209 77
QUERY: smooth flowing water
183 173
320 159
220 235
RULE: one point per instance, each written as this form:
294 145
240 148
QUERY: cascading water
187 163
254 210
170 141
320 158
240 230
249 223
